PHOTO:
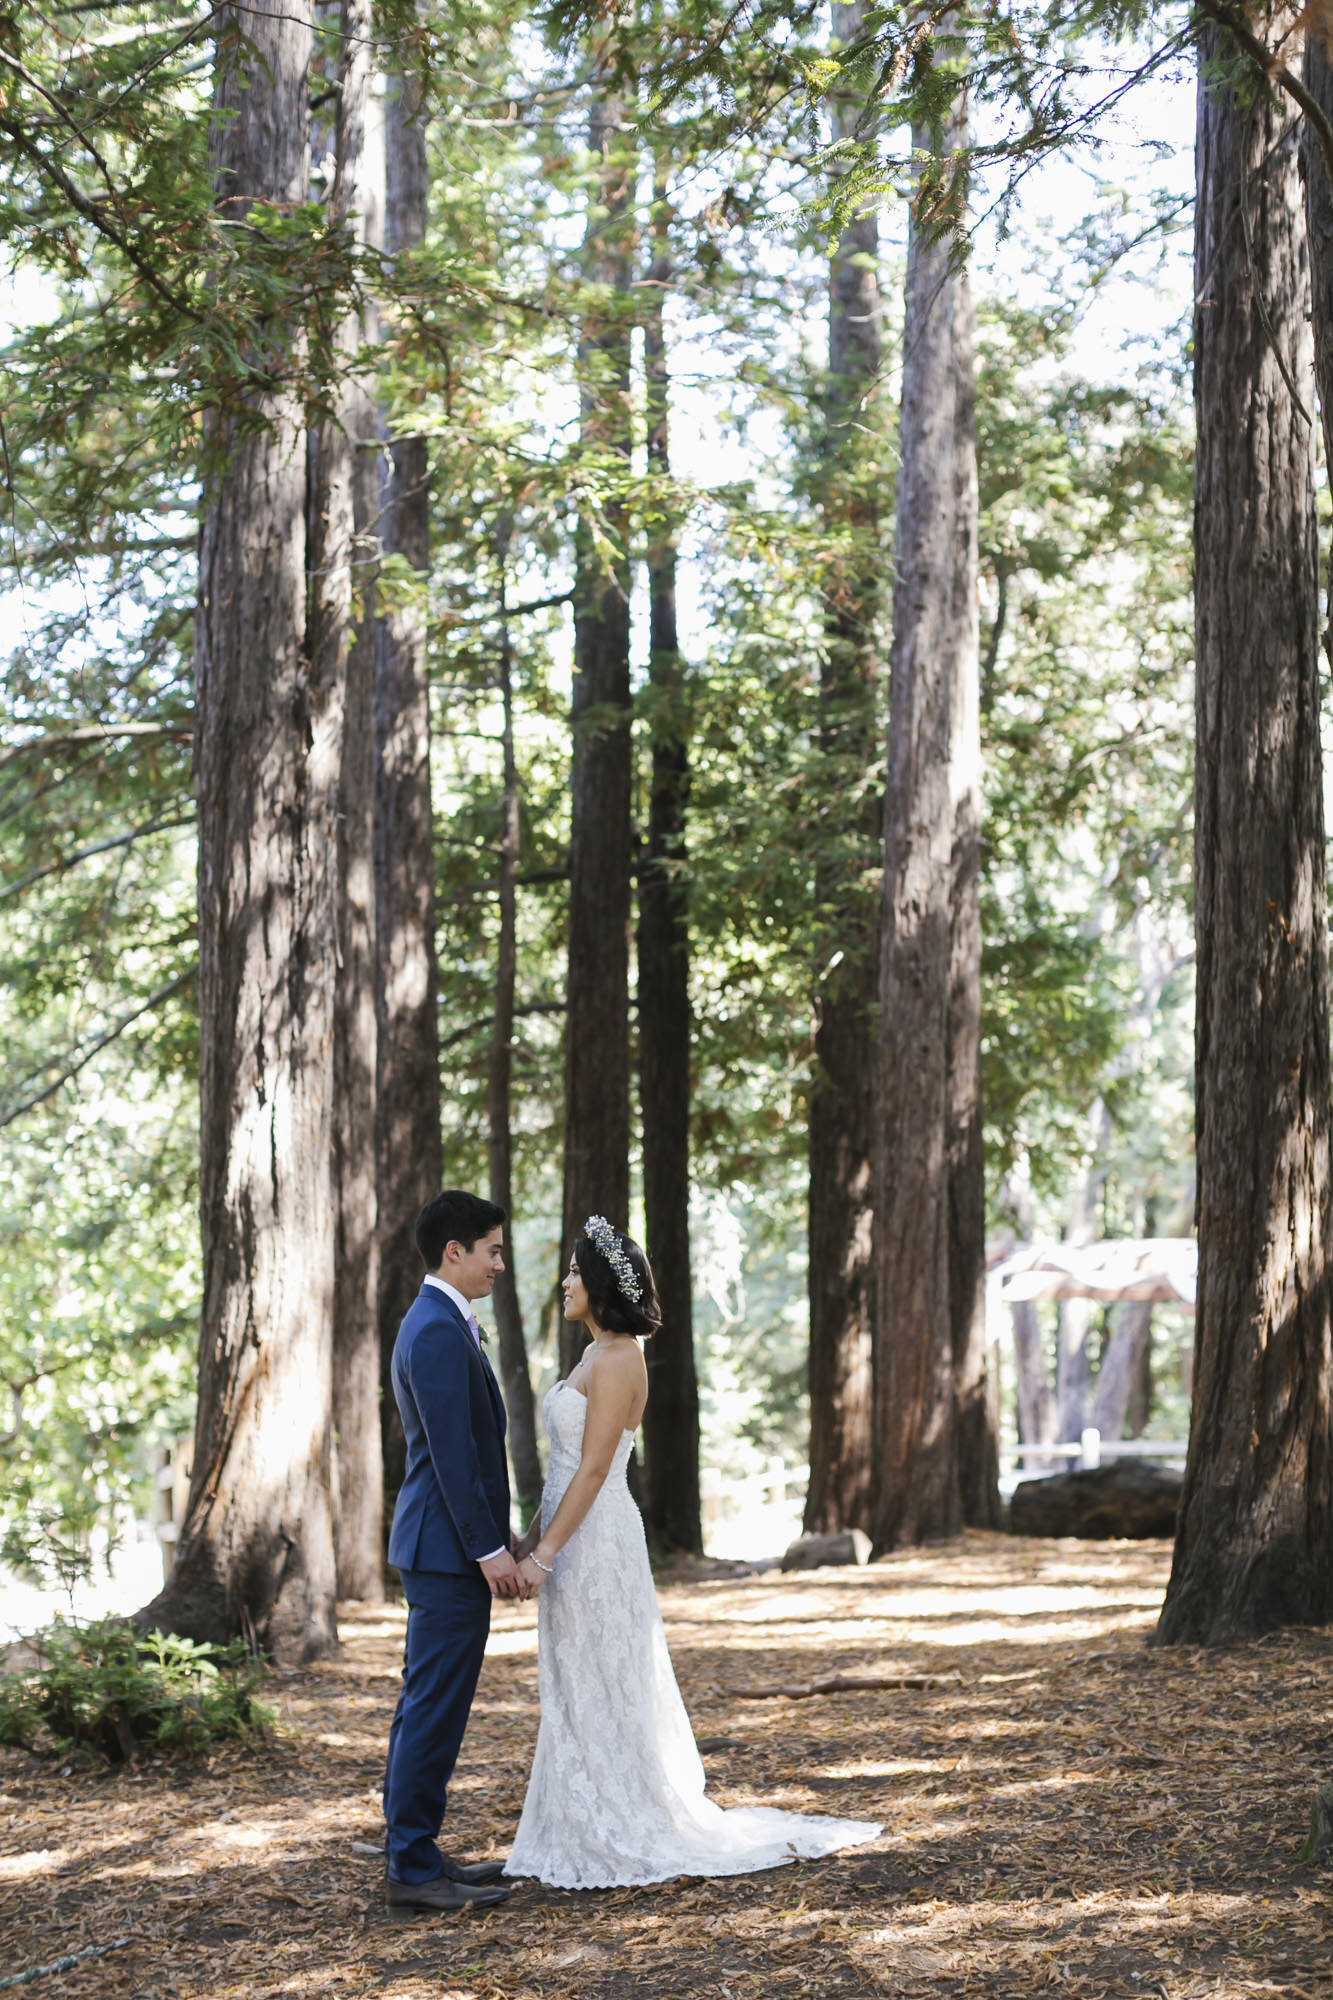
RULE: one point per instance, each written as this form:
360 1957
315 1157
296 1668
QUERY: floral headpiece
604 1238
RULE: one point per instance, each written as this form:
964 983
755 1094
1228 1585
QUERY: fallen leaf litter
1066 1811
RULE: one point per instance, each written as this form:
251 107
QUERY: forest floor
1064 1811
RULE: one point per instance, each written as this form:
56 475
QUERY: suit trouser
448 1619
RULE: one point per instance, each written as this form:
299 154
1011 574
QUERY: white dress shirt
465 1307
452 1292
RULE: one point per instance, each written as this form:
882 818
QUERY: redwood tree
671 1419
842 1118
597 1052
514 1373
257 1542
409 1161
930 1404
344 505
1254 1548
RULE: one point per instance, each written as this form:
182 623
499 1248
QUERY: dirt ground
1064 1811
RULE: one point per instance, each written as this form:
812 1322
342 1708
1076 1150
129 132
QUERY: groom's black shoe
476 1873
441 1895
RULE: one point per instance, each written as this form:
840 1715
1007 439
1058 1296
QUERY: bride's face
575 1293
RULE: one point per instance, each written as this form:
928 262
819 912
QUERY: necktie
475 1328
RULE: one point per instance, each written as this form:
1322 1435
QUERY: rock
1130 1499
1319 1844
849 1545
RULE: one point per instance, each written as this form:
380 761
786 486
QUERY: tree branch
515 610
92 212
485 1020
95 732
535 878
87 853
1275 70
101 1041
845 1684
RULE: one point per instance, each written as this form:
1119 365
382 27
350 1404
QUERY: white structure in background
1156 1269
123 1575
746 1520
127 1566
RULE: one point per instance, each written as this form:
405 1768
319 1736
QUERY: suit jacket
453 1507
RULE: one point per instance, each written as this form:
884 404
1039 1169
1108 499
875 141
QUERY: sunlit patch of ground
1065 1811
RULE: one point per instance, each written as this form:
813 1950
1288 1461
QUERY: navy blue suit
452 1510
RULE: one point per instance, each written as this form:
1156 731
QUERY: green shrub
103 1687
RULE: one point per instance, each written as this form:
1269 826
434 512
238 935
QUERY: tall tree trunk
1037 1419
1139 1402
342 650
257 1541
514 1374
1036 1411
842 1122
671 1420
1073 1360
1120 1372
409 1161
978 1443
1319 226
597 1055
927 1152
1254 1549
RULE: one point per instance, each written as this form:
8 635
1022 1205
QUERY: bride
616 1795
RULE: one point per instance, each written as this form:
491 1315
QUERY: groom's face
474 1272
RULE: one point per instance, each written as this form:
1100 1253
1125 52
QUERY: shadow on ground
1064 1811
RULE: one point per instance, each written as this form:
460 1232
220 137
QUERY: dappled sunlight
1062 1808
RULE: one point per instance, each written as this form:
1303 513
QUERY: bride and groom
616 1795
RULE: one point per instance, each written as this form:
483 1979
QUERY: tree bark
1036 1412
597 1052
409 1160
671 1419
343 458
1073 1361
1119 1373
257 1543
841 1132
514 1376
1254 1549
1318 79
1038 1422
926 1406
975 1393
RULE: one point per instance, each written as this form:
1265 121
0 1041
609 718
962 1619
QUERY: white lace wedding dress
616 1795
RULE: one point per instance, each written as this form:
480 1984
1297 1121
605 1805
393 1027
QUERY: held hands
533 1575
503 1575
516 1573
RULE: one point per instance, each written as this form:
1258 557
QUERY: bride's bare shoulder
623 1358
623 1370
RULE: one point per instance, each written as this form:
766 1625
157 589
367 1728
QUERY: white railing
755 1516
1092 1448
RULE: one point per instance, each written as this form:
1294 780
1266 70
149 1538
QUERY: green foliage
143 314
104 1690
1087 741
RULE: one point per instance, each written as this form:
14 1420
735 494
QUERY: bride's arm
528 1540
612 1388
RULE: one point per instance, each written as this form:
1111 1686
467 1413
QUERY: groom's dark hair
454 1217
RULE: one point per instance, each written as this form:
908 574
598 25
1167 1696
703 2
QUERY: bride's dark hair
612 1307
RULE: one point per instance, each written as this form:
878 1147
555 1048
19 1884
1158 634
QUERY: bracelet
547 1568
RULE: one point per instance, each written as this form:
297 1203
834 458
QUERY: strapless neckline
565 1383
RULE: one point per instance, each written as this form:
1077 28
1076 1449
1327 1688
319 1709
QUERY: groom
450 1541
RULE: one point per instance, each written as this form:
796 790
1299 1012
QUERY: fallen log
1127 1500
848 1545
845 1684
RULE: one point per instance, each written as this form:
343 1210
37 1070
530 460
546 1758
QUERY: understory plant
108 1689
